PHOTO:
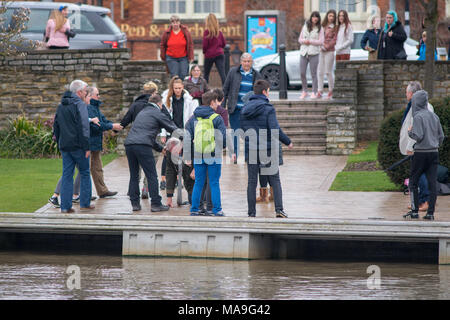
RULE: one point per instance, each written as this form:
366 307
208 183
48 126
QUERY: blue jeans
235 124
214 171
178 66
424 193
70 159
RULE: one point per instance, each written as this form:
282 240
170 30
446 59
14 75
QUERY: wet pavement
305 182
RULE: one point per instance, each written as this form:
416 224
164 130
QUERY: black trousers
220 65
142 155
424 162
274 180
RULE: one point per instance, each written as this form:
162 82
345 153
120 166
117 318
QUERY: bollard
226 52
283 78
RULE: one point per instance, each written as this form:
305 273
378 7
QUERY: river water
32 276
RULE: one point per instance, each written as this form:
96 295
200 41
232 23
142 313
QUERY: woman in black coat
392 39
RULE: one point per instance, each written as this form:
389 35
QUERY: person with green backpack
206 133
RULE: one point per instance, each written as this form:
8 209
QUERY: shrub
24 138
388 150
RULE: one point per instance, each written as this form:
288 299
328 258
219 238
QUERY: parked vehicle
93 27
269 66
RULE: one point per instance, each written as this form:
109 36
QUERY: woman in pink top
56 29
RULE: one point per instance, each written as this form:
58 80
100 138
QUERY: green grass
363 180
26 184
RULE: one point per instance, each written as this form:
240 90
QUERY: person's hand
88 153
307 42
410 128
163 140
96 121
164 151
409 153
233 157
117 126
290 146
192 175
188 163
390 33
169 202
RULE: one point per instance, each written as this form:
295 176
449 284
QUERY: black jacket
71 125
140 103
258 114
390 47
147 126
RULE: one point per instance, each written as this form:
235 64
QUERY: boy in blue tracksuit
210 162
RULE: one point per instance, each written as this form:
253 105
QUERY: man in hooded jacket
258 121
427 131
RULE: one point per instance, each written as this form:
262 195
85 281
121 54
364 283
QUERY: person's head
246 61
150 87
175 22
330 18
212 25
79 87
64 10
220 94
176 88
424 36
59 18
391 19
412 88
261 87
313 21
195 72
343 19
156 99
174 146
93 93
209 98
374 22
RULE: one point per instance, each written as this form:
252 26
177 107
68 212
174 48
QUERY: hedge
388 150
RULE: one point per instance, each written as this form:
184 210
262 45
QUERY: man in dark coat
138 147
392 39
262 135
96 142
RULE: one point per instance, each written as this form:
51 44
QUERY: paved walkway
305 181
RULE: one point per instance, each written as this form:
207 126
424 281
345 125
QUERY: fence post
226 52
283 78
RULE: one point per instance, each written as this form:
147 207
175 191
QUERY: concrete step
299 118
305 150
305 124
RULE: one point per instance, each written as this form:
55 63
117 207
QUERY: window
188 9
80 23
348 5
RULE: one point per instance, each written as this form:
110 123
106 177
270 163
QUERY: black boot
429 216
412 215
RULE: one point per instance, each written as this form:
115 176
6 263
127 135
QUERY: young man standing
206 133
262 135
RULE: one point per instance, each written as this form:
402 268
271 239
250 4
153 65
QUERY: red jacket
189 42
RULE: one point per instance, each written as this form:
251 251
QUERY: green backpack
204 141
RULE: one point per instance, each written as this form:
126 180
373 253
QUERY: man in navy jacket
262 136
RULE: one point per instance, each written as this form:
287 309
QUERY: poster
261 35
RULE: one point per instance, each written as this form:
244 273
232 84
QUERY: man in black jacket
71 129
138 147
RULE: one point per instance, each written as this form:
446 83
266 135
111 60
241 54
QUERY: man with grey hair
406 143
71 129
239 82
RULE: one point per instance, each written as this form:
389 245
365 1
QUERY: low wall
377 88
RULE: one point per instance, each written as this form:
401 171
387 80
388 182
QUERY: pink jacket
57 37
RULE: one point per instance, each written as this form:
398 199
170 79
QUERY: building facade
145 20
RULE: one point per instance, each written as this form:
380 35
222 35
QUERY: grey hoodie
427 129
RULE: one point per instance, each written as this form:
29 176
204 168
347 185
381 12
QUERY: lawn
362 173
26 184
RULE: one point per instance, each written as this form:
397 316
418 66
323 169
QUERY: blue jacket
205 112
96 139
370 36
259 114
422 52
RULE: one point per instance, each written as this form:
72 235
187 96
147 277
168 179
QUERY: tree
12 23
431 20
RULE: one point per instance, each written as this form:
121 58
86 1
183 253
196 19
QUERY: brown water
44 276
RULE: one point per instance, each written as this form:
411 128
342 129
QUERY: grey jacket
232 85
147 126
426 129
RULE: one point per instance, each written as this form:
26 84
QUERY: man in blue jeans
206 150
71 129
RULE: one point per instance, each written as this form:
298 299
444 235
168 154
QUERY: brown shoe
271 194
262 195
71 210
423 206
87 208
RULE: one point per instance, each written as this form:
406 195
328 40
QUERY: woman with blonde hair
58 29
213 44
371 38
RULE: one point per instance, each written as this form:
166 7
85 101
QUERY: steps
305 123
